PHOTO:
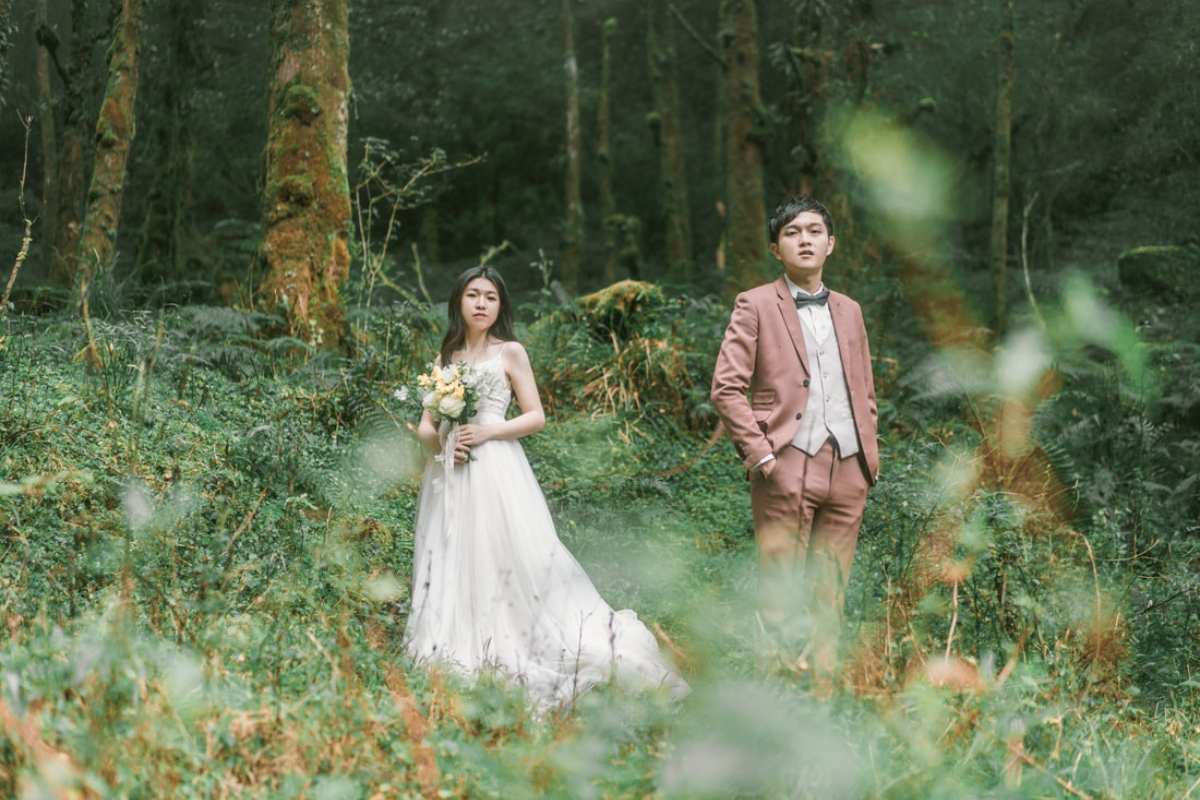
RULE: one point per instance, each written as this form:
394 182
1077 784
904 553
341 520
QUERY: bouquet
450 392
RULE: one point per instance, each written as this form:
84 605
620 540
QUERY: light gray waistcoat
828 412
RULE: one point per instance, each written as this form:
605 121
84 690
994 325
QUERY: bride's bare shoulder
515 357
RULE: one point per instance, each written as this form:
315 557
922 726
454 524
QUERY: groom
793 386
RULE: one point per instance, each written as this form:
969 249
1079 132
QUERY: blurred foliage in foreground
205 540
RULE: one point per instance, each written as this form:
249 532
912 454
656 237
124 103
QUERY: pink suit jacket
760 383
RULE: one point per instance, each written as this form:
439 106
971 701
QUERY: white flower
401 394
469 380
450 373
451 406
430 401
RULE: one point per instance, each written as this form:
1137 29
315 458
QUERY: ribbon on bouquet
446 459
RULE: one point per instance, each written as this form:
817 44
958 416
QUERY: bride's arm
531 419
427 432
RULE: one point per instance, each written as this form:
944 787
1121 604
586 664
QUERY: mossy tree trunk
169 232
572 247
71 176
306 214
660 48
49 135
608 203
114 135
746 223
1001 179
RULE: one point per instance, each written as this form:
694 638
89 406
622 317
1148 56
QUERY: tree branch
28 235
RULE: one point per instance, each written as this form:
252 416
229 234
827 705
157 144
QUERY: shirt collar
794 289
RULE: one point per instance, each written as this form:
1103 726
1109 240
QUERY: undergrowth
206 536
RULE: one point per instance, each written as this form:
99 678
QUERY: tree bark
5 43
71 179
608 203
114 134
306 214
169 230
676 210
49 136
810 69
573 229
1001 180
746 223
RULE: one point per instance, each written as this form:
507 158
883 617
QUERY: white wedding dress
494 588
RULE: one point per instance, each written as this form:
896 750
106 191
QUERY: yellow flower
458 391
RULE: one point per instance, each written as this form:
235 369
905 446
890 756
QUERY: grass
205 540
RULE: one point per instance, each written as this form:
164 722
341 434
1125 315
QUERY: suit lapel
787 310
843 331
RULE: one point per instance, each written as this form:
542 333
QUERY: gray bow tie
820 299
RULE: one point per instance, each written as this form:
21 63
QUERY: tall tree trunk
661 50
6 38
1001 180
809 66
71 184
608 203
114 134
49 135
169 230
573 229
746 222
306 212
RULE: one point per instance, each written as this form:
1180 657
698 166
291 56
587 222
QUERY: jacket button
799 415
806 383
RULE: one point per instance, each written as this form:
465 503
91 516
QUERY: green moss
296 190
301 101
619 308
106 136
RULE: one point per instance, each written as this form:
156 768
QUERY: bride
493 587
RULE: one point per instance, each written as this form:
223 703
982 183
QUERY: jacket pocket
763 397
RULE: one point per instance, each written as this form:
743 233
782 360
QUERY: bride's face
480 304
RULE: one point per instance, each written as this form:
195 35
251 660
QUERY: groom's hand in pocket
763 470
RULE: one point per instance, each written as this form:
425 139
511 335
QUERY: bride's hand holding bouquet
450 395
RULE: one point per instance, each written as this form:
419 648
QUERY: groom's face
803 245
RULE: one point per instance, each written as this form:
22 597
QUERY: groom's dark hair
456 330
797 204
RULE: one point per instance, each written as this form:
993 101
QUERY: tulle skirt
495 589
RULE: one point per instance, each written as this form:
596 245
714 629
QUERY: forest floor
206 536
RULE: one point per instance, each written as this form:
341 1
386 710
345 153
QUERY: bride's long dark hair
456 331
